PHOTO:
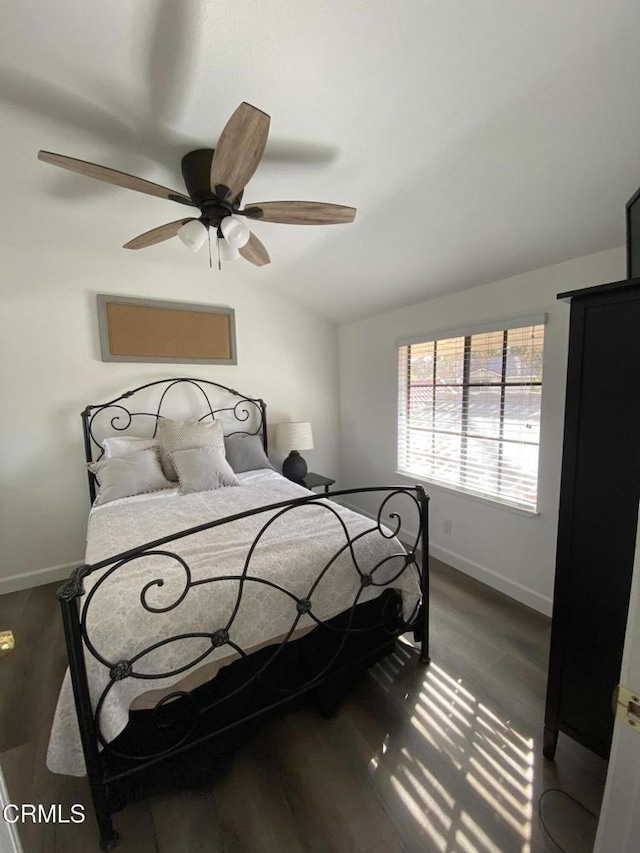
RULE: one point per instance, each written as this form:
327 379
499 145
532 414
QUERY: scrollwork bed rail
249 414
108 764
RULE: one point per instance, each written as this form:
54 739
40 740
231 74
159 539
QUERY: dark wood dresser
598 514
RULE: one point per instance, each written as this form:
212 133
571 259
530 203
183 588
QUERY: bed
200 611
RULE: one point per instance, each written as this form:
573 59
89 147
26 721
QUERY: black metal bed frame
108 765
116 412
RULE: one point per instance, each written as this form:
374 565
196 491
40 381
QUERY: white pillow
201 469
120 445
135 473
183 435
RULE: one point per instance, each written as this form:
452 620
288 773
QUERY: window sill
492 502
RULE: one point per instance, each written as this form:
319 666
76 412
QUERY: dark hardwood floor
446 758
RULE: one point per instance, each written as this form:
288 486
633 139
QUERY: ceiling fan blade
239 151
112 176
255 252
157 235
300 212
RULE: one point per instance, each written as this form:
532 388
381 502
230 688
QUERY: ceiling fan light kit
215 181
193 234
235 232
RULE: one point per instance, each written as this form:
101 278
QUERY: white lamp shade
193 234
227 252
235 232
294 435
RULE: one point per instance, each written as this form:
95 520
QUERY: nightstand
314 481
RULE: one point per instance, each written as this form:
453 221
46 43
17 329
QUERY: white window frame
460 488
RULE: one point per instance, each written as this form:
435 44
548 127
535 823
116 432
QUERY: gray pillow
246 453
135 473
201 469
181 435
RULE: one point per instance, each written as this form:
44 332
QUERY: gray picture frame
104 300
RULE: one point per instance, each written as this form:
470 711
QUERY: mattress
292 551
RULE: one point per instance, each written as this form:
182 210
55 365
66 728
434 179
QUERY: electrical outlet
447 526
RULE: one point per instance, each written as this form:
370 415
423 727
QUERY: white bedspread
291 553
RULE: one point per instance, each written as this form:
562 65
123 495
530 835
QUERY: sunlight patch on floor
494 760
417 811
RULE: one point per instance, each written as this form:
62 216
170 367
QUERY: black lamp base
294 467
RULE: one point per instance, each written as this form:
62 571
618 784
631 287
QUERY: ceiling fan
215 181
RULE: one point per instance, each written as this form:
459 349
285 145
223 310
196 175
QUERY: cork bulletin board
169 332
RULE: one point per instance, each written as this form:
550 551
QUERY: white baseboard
523 594
39 577
520 592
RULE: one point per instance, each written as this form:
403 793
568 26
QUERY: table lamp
291 438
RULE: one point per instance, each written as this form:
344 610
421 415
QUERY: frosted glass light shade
193 234
227 252
294 435
235 232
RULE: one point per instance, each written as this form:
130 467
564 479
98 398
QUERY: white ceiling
476 139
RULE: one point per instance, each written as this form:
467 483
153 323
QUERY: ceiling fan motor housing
196 171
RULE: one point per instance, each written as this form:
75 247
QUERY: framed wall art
162 331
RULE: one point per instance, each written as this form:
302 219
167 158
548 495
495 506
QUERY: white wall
511 552
50 369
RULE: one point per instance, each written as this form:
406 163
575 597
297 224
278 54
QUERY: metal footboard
195 727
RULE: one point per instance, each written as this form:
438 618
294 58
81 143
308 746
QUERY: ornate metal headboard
204 399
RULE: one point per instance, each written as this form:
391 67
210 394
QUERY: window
469 411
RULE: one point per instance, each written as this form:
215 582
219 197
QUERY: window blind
469 411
